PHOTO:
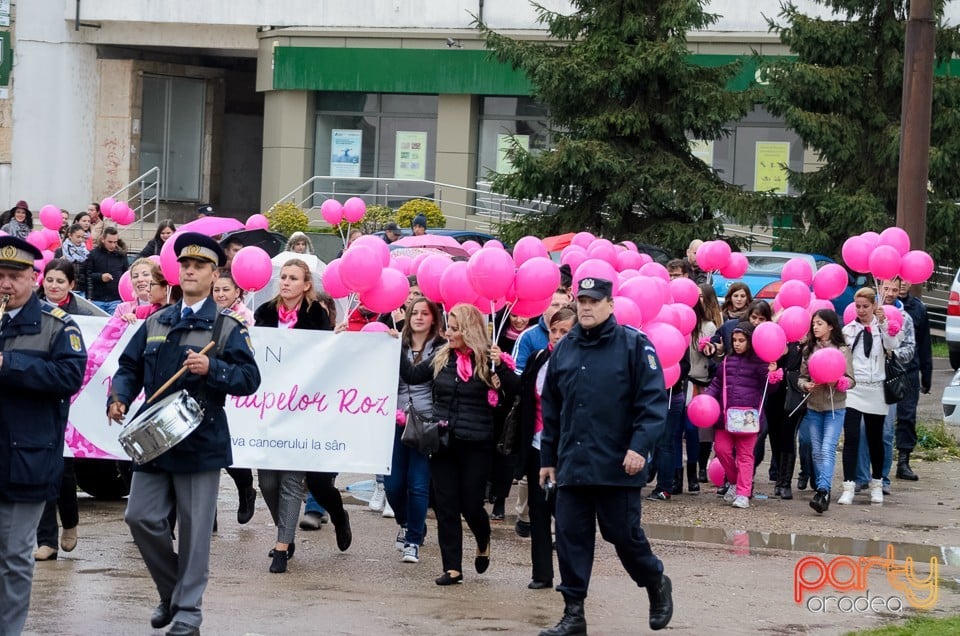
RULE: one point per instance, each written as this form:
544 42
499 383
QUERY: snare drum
161 427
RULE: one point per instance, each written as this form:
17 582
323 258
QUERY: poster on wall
5 13
503 145
702 150
345 147
410 161
770 169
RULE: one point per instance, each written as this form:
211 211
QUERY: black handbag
509 440
895 381
425 435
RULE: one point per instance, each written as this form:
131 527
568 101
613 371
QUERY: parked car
951 400
952 329
763 276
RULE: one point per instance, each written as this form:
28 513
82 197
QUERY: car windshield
766 264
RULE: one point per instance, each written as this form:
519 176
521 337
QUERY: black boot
703 461
784 475
573 622
903 466
677 482
820 501
693 485
661 603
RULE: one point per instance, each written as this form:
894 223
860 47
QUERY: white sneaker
731 493
387 510
846 498
741 502
411 553
876 491
401 538
378 499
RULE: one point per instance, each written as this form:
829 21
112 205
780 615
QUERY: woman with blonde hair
469 378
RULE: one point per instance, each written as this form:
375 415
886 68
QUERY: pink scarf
464 364
287 316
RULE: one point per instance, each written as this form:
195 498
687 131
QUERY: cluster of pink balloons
717 256
352 210
886 255
118 211
364 270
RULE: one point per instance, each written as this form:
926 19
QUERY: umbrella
212 225
427 240
270 242
557 243
456 253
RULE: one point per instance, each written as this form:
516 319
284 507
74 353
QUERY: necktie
867 341
186 313
4 323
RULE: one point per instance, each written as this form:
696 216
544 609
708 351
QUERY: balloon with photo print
626 311
916 267
330 279
885 262
830 281
353 209
526 248
797 269
331 211
856 254
896 238
490 272
389 293
50 217
703 411
537 278
360 267
795 322
685 291
251 268
769 341
794 293
257 222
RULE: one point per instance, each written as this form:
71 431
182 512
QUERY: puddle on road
747 539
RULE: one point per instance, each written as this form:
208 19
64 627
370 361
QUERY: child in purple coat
740 383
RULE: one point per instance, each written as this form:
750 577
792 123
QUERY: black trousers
541 514
67 505
459 476
324 490
617 510
906 429
242 477
873 426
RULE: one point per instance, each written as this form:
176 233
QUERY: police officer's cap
597 288
16 253
199 247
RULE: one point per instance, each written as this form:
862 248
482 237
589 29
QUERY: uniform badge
652 361
76 343
192 250
587 283
8 252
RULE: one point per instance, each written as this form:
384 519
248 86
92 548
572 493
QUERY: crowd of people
570 407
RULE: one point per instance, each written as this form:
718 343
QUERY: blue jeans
863 461
663 450
805 451
108 306
408 488
313 506
824 429
693 443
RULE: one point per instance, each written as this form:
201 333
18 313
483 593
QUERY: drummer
187 476
42 359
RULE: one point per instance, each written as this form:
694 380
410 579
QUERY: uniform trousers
66 503
617 509
541 515
180 576
18 527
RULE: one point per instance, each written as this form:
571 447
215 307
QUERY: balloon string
805 398
493 332
506 318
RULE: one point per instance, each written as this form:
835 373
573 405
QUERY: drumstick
166 385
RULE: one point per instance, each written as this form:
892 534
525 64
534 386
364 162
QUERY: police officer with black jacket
42 359
188 475
604 408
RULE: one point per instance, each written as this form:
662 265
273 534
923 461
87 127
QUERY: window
172 134
501 117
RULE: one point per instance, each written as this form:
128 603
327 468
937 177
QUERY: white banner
326 402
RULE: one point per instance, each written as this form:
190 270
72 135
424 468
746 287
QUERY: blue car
763 276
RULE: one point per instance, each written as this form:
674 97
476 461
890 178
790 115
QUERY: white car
952 331
951 401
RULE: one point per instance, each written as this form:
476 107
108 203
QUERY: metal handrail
147 196
487 208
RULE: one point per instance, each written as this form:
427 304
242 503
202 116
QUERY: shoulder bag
895 379
423 434
739 420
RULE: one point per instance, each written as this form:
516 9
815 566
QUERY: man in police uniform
186 477
604 407
42 359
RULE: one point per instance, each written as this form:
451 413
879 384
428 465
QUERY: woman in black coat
465 393
165 230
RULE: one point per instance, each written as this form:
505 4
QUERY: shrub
429 209
287 218
374 220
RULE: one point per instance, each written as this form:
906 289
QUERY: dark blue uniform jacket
43 363
150 360
604 394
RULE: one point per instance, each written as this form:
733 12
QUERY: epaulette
56 312
233 314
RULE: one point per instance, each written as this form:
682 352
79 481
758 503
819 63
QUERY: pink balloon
419 258
124 215
794 293
850 313
656 270
668 342
377 244
827 365
872 239
703 411
583 239
494 244
685 291
50 217
574 256
374 327
604 250
916 267
715 472
455 285
797 269
332 284
353 209
168 259
37 239
331 211
646 258
360 267
212 225
595 268
537 278
628 260
251 268
389 293
106 206
631 246
819 303
125 287
894 317
884 262
721 253
428 276
686 318
896 238
470 247
795 322
531 308
154 258
485 305
667 315
257 222
626 311
490 272
769 341
830 281
670 375
402 264
736 266
52 238
648 294
526 248
856 254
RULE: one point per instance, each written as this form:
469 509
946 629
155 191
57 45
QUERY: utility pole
915 122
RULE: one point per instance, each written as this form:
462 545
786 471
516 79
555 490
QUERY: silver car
952 331
951 400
